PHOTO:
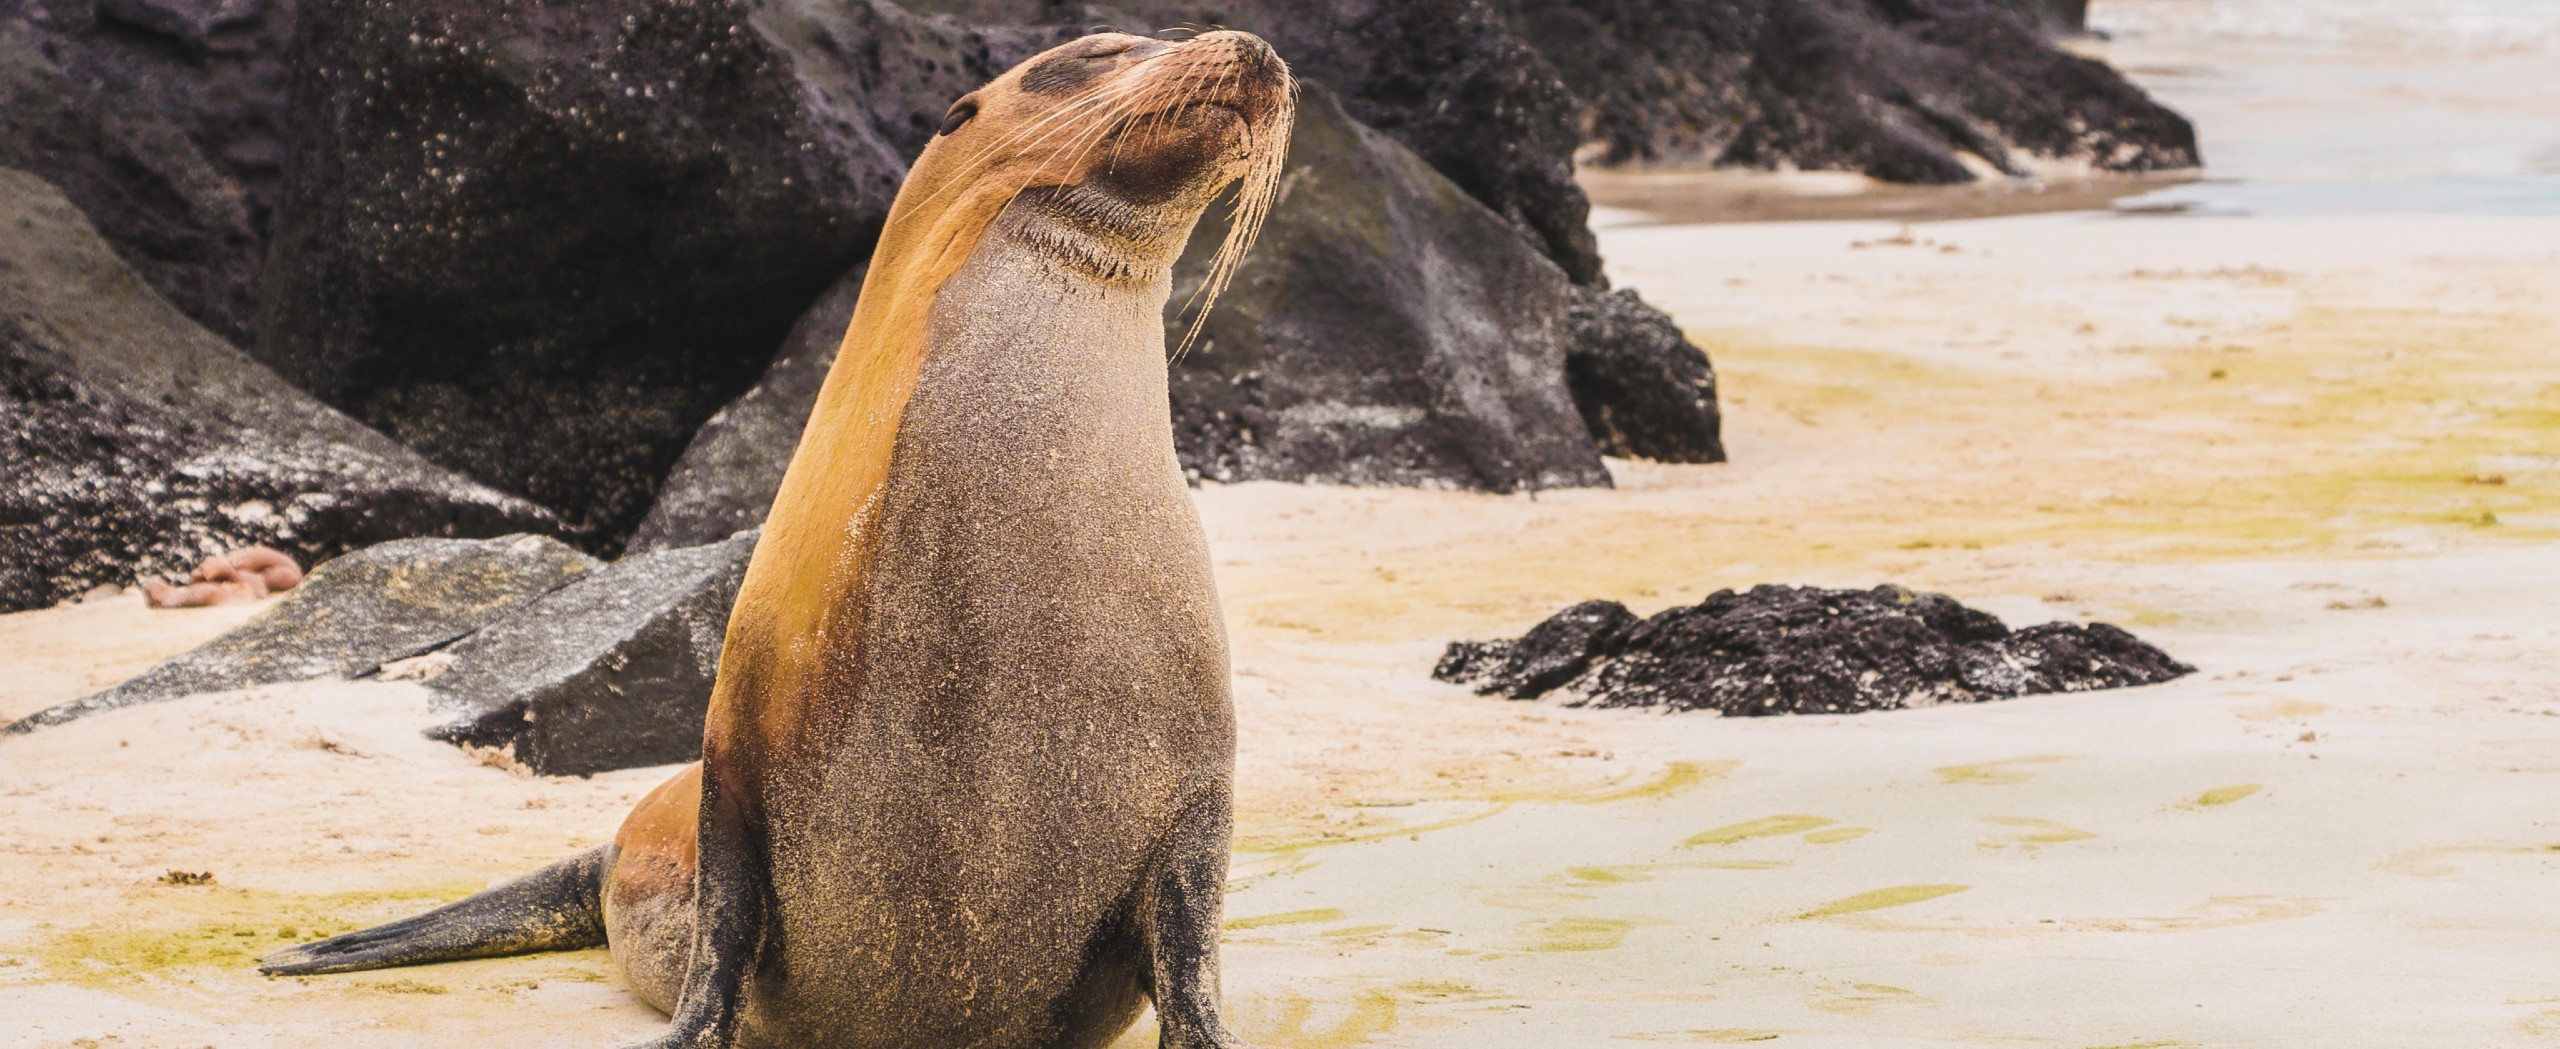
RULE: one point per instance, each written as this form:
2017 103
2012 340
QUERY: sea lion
966 774
246 574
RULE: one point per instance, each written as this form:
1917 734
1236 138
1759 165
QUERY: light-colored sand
2344 832
2318 456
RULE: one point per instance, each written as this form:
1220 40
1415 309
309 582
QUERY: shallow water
2351 106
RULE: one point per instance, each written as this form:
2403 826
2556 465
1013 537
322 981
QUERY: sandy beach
2313 449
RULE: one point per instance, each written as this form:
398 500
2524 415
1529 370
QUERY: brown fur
800 680
966 780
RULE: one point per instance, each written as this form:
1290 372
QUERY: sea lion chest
1041 682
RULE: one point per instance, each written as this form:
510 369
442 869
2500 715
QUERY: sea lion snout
1122 141
1259 82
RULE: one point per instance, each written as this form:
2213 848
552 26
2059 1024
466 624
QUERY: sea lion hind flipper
1180 918
557 908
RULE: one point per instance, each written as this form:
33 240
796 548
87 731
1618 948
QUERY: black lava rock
1901 90
1644 390
1386 329
1552 653
1802 650
135 442
2062 16
1450 79
543 241
726 480
354 614
163 121
613 671
1500 95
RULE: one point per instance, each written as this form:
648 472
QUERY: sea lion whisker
988 156
1255 195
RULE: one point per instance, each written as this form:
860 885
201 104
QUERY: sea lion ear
960 113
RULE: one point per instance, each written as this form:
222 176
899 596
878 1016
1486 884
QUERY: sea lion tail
557 908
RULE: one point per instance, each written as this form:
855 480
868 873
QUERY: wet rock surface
612 671
1644 390
137 442
542 242
726 480
1387 329
1802 650
354 614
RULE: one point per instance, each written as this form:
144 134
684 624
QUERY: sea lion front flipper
728 917
1180 916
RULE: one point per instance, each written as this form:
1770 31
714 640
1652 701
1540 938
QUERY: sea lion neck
1097 236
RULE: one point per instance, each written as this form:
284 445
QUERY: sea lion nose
1253 56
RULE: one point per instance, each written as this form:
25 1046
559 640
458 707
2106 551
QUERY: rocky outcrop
1450 79
613 671
1644 390
1791 650
352 615
728 476
138 442
542 242
1928 91
1387 329
1500 95
73 115
2061 16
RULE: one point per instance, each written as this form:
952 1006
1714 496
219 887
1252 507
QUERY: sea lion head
1122 141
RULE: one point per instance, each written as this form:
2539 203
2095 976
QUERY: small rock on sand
1802 650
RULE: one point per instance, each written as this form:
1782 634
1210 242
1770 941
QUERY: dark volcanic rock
1643 388
1552 653
1386 329
1790 650
1499 95
180 217
137 442
610 672
542 241
728 476
1897 89
354 614
2066 16
1447 78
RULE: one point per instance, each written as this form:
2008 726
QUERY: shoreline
1683 196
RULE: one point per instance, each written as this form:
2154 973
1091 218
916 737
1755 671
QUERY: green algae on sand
230 929
2220 796
1305 917
1879 899
1576 934
1765 827
2001 773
